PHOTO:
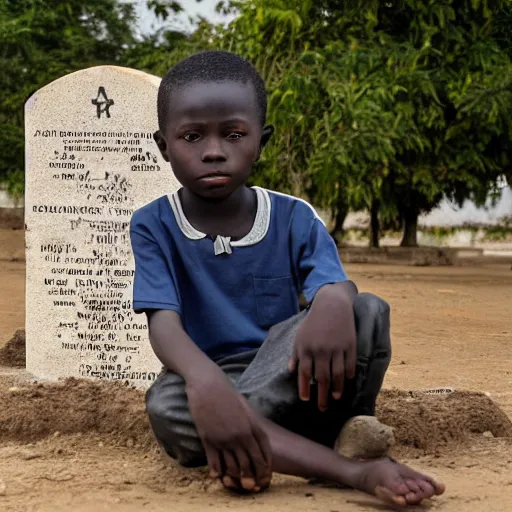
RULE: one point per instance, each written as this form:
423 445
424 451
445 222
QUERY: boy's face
213 136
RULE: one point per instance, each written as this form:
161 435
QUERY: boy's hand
235 445
325 348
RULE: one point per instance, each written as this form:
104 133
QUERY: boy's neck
233 216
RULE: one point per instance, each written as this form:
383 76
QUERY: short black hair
210 66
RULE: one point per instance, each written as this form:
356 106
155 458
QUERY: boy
250 384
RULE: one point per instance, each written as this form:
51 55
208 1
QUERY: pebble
16 390
130 443
2 488
488 434
32 455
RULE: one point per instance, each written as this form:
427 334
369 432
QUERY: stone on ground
365 437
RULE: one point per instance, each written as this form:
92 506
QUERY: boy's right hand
237 448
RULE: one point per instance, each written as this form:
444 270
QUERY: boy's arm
229 430
234 442
177 351
325 343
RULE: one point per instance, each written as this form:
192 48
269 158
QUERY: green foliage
393 103
15 183
41 40
402 101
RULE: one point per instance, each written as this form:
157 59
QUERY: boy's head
211 113
205 67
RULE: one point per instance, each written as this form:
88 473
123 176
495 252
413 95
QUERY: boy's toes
388 496
438 488
413 486
416 492
399 485
421 488
427 488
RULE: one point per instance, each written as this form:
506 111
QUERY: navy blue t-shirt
229 293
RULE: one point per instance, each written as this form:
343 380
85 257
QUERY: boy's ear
265 137
268 131
161 143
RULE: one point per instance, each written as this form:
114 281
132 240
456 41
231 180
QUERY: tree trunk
374 224
410 218
339 219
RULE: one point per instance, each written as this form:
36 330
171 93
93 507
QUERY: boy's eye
192 137
235 135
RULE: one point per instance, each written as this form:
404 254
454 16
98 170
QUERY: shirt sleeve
319 262
154 285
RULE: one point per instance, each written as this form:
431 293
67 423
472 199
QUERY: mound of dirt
12 218
74 406
13 353
428 421
115 411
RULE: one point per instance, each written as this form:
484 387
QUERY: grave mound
13 353
116 412
427 421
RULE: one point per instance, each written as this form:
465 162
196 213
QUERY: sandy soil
451 328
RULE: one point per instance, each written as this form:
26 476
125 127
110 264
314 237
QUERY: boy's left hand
325 349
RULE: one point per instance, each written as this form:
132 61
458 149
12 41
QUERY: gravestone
90 162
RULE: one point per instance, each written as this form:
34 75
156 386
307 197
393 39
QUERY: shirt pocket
275 299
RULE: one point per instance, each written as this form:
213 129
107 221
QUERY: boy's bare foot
362 438
397 484
365 437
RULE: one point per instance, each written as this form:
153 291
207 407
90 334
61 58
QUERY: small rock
56 434
309 495
130 443
488 434
402 362
3 488
365 437
31 456
100 444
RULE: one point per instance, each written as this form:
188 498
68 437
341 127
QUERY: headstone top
91 161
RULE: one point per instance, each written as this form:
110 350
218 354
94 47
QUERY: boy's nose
213 151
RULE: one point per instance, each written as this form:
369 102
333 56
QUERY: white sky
206 8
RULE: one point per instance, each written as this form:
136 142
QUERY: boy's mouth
215 178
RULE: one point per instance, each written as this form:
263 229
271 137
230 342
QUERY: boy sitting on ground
251 384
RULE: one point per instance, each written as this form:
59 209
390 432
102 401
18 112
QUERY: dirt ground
451 328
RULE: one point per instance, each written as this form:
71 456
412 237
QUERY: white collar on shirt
223 244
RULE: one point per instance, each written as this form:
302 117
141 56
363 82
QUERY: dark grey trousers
262 376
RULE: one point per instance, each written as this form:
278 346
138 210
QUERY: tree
41 41
392 104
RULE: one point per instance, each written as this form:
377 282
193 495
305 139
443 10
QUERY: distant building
447 214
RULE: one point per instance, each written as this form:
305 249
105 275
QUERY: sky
206 8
